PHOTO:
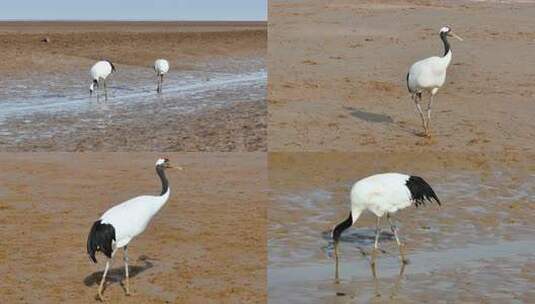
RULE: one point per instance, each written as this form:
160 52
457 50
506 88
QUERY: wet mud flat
196 112
337 75
187 254
477 247
213 97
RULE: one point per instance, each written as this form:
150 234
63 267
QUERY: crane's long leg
161 83
126 270
103 280
377 233
375 247
336 263
101 286
105 91
400 246
97 89
428 127
417 98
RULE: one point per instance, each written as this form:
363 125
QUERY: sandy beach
475 248
337 75
217 71
207 245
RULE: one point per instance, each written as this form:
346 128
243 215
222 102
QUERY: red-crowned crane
99 72
121 223
161 67
384 194
429 75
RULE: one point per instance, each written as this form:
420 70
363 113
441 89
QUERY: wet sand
337 75
476 248
217 71
207 245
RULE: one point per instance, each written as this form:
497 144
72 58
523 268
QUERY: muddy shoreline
188 254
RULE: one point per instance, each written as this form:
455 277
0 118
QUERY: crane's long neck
444 37
163 179
340 227
446 59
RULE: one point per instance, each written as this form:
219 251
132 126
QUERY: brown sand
75 45
337 75
207 245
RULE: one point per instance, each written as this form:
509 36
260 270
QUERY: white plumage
161 67
120 224
99 72
384 194
381 194
132 217
429 75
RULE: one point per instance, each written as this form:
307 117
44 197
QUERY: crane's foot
101 297
421 134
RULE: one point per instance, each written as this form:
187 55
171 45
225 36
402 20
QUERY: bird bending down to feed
429 75
161 67
384 194
99 72
121 223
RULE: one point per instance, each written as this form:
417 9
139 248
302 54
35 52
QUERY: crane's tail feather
100 239
421 191
408 87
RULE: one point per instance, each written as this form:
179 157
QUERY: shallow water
43 106
478 245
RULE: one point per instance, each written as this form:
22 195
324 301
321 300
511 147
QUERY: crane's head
92 87
164 163
446 30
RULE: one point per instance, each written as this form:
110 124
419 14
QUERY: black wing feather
421 191
100 239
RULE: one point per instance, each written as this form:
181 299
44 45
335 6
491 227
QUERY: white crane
384 194
99 72
429 75
121 223
161 67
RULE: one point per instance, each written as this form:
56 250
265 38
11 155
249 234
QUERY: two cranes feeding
101 70
118 226
429 75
